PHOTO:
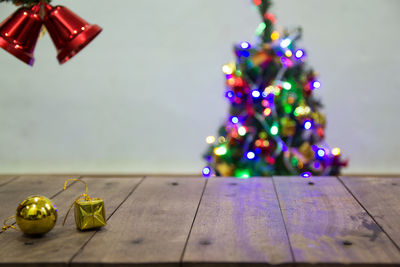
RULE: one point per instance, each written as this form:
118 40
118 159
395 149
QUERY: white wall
144 95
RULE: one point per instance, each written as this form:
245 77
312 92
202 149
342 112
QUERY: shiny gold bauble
288 127
224 169
318 118
36 215
307 152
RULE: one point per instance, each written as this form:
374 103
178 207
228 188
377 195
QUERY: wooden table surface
192 221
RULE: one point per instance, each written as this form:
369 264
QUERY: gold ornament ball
36 215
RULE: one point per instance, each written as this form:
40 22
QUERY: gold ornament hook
8 226
83 196
76 180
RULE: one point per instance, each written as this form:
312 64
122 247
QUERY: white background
144 95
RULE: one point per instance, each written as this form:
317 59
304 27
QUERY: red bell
69 32
20 32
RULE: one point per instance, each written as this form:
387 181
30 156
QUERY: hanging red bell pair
20 32
69 32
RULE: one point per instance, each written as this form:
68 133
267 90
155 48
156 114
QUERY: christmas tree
274 126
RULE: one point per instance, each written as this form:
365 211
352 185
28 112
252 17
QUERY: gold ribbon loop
83 196
8 226
76 180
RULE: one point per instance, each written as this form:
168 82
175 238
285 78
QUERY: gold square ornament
90 214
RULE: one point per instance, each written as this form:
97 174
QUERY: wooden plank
57 247
17 190
326 224
238 222
381 198
150 228
6 179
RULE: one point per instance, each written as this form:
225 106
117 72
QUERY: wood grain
17 190
151 227
238 222
326 224
381 198
6 179
57 247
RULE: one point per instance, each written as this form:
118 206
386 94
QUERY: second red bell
69 32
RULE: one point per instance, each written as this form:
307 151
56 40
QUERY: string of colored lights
274 126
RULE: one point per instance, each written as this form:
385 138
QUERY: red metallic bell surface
69 32
20 32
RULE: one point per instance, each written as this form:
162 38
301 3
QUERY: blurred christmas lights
260 29
234 119
275 35
267 112
299 54
285 43
210 139
221 150
287 85
255 93
251 155
316 84
307 125
245 45
288 53
274 129
336 151
321 153
206 171
242 131
275 126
